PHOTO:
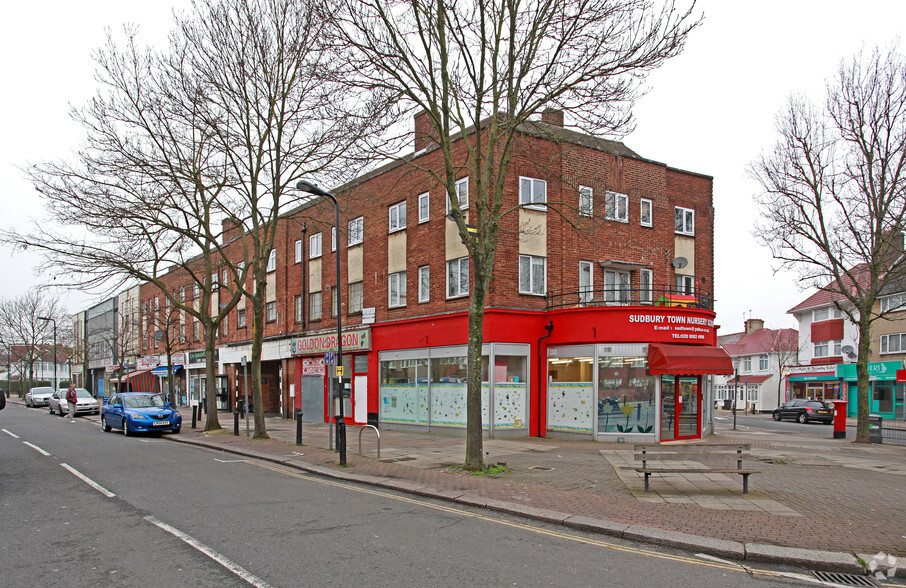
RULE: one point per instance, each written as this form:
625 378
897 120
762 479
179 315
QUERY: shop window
626 395
458 277
397 215
684 221
314 246
424 205
448 390
883 395
314 306
355 298
360 364
586 201
532 275
616 206
645 212
570 394
404 391
397 290
532 193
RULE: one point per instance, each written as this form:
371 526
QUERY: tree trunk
257 343
212 423
864 404
474 444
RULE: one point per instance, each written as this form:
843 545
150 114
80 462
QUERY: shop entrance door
681 400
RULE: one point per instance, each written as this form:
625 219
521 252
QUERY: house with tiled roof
760 356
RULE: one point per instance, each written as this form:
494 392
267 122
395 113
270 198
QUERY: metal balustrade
620 296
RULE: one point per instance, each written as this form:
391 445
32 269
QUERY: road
764 422
86 508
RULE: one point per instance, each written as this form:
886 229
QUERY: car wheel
176 431
106 427
125 428
776 416
27 403
803 419
50 408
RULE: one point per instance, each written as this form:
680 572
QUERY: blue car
135 412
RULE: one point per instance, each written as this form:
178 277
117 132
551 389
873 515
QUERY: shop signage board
313 366
146 363
666 326
878 371
357 340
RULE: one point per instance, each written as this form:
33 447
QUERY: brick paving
812 493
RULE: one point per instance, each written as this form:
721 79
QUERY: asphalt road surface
85 508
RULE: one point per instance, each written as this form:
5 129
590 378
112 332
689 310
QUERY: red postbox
839 419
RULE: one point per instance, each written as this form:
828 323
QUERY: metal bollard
194 416
236 423
298 427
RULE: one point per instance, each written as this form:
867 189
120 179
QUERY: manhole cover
541 468
845 579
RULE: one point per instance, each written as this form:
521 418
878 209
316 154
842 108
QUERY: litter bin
875 434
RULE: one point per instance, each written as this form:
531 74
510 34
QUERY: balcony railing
624 296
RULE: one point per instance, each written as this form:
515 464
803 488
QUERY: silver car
38 396
86 402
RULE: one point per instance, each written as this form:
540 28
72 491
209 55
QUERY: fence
893 430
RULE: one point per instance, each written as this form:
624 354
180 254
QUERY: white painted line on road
36 448
235 568
88 480
230 460
13 435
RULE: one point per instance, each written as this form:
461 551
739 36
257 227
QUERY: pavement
817 502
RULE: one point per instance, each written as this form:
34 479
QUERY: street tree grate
846 579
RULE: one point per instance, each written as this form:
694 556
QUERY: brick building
601 294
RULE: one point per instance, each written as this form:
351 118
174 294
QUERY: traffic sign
329 357
339 371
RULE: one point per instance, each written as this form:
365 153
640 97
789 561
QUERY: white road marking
88 480
230 460
13 435
36 448
235 568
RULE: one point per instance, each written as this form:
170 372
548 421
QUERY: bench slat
700 452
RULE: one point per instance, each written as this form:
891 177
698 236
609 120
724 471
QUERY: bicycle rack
376 432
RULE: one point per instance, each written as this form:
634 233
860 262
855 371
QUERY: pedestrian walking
71 399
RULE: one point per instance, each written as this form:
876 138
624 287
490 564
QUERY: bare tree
833 199
783 347
481 71
25 334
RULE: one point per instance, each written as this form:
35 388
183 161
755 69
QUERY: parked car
135 412
39 396
86 402
805 410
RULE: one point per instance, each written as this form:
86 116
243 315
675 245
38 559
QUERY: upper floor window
616 287
894 343
646 279
424 205
894 302
532 192
458 277
356 231
196 289
828 348
298 250
240 318
586 201
424 283
156 303
532 275
826 313
272 260
314 246
271 311
616 206
645 213
763 362
314 306
397 290
684 221
398 216
747 364
297 308
586 281
355 298
685 285
462 194
333 239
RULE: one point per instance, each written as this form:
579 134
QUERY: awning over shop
162 370
670 358
139 381
748 380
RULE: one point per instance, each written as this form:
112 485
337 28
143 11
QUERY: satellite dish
680 262
847 349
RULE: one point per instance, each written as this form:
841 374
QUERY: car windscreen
83 393
42 390
149 401
818 405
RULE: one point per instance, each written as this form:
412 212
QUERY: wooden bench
721 454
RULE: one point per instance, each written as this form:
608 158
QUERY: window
196 290
223 326
182 332
272 260
144 308
616 287
397 290
645 213
897 301
423 207
747 364
532 192
182 296
355 298
821 349
820 314
314 246
586 201
646 280
763 363
333 239
458 277
462 194
270 310
156 303
532 275
616 206
223 279
356 230
826 348
684 221
424 283
196 330
333 301
895 343
314 306
685 285
297 308
240 318
215 282
398 216
586 281
298 250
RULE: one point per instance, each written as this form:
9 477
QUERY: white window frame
646 286
457 268
272 261
532 193
462 194
684 221
586 291
893 302
240 318
586 201
356 233
616 206
315 306
297 308
822 348
646 212
333 239
685 284
747 364
763 362
529 266
314 246
354 306
886 341
424 207
397 216
297 247
396 290
270 311
616 287
424 284
820 314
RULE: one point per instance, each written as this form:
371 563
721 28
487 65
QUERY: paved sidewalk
818 502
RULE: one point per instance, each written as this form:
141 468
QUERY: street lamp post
735 390
45 319
341 423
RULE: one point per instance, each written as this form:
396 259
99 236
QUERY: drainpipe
550 328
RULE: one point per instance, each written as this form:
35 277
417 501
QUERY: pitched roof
828 294
764 341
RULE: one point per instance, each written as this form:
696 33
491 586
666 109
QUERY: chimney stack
753 325
553 117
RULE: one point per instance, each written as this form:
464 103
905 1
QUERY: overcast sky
710 110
